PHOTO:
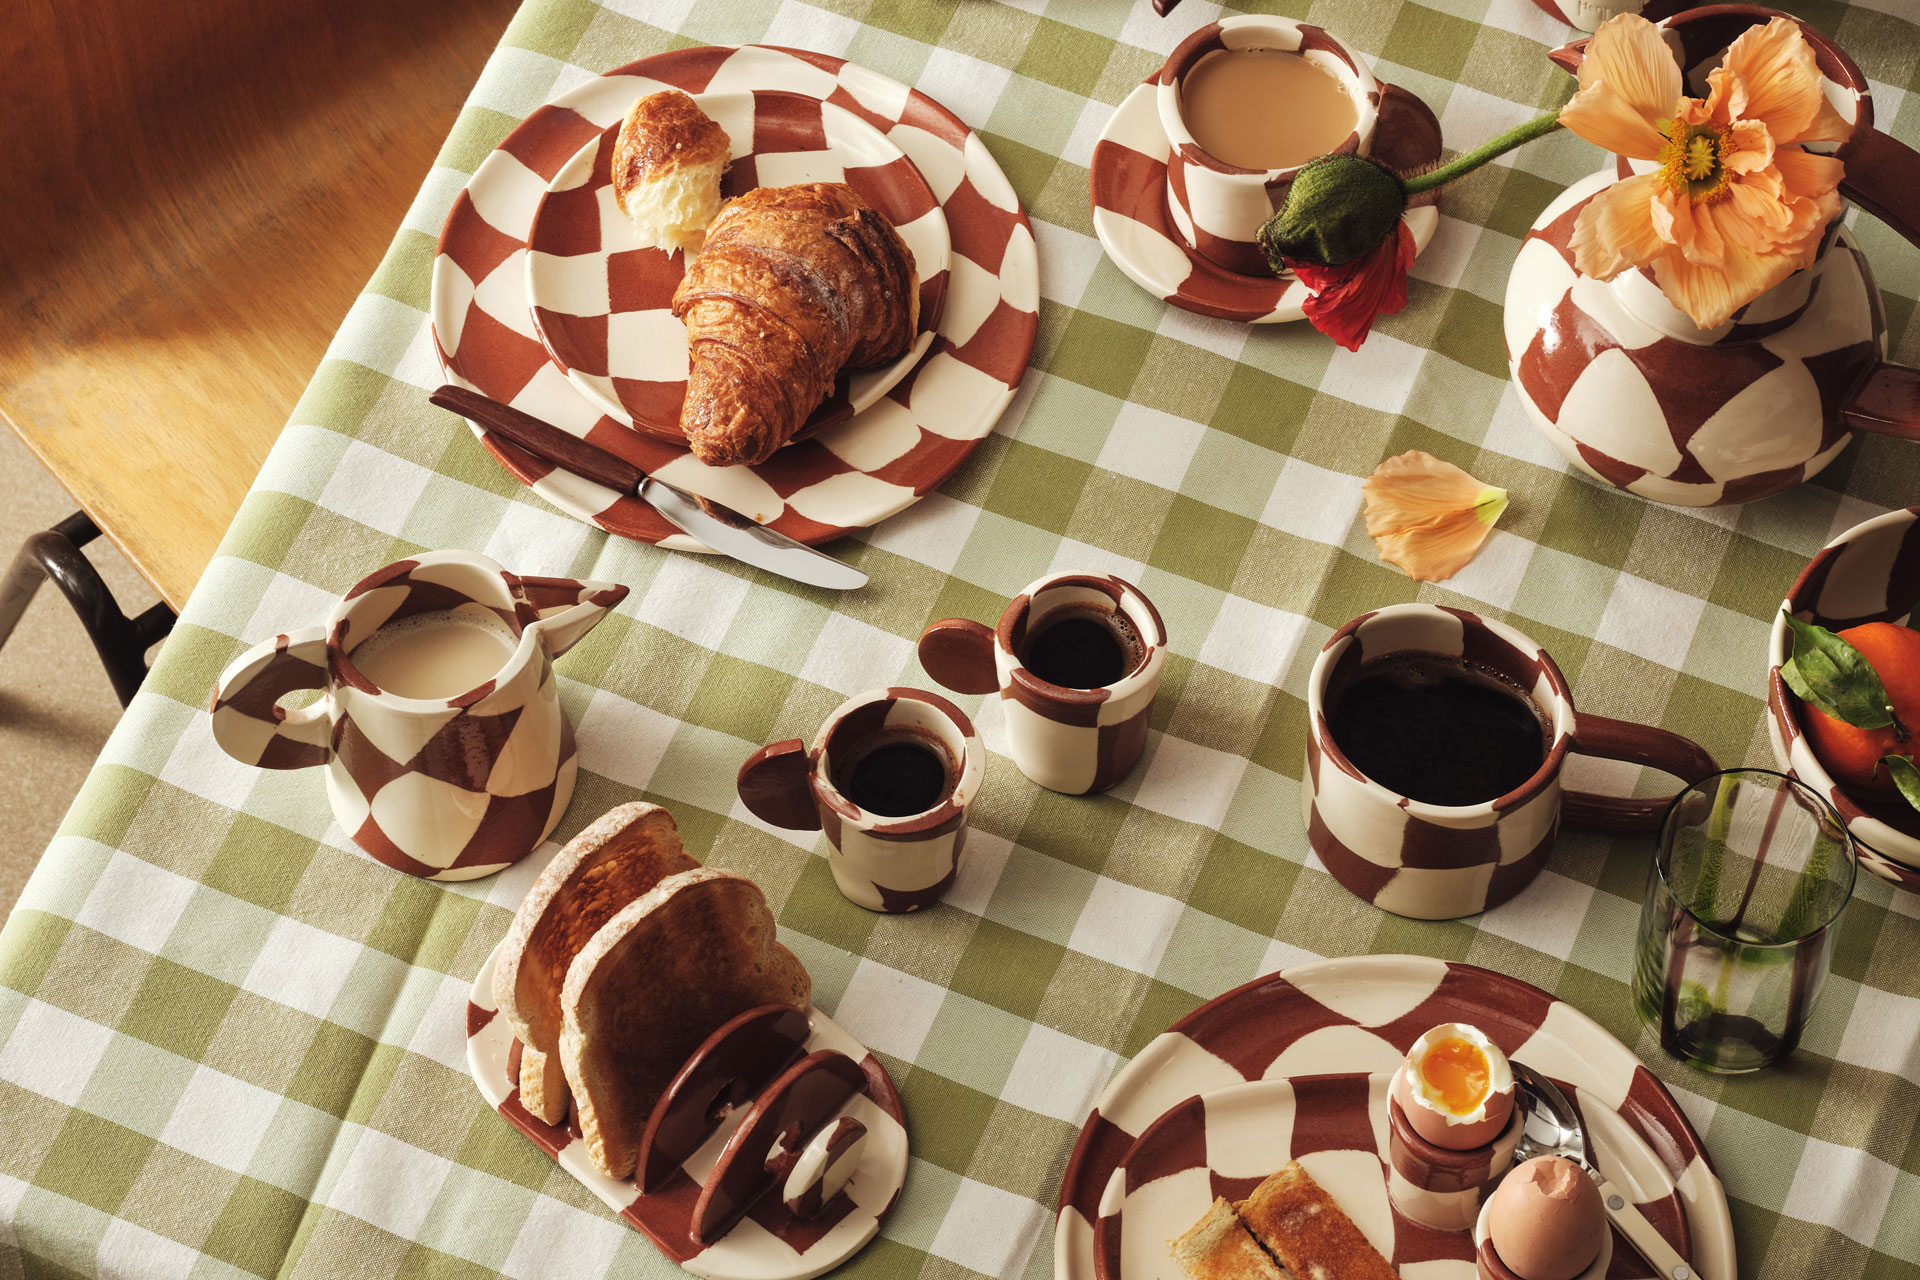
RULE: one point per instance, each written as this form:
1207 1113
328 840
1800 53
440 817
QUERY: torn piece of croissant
667 162
794 285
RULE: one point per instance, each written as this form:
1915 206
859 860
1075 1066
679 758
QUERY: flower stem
1462 165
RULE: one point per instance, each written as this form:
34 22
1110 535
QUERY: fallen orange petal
1428 517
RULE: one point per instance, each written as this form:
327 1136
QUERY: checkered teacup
882 858
1071 740
1217 207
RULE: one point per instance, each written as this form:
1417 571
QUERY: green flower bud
1337 209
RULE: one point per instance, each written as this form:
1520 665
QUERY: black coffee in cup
1438 729
895 773
1082 646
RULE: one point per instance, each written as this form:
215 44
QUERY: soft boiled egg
1456 1087
1545 1220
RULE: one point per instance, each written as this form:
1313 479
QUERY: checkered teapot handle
1883 177
248 721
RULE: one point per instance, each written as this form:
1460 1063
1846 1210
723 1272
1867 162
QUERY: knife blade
719 527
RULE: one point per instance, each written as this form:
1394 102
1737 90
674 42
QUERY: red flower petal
1347 299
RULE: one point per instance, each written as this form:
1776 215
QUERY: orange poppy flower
1737 205
1429 517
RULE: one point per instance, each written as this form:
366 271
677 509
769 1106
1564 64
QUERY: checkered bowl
1870 573
603 307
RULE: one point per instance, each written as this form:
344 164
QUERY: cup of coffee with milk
1245 102
439 726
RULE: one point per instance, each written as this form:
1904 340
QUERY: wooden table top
205 192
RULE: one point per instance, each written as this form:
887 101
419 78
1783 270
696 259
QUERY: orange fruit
1853 755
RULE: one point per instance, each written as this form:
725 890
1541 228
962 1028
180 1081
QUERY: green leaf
1832 676
1906 776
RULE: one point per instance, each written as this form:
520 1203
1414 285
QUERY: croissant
667 161
794 285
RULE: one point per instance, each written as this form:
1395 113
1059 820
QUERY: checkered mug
447 788
1073 741
1441 862
1218 207
883 862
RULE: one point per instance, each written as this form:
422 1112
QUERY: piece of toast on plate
651 985
615 860
1218 1247
1297 1222
667 162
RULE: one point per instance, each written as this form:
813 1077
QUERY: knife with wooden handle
719 527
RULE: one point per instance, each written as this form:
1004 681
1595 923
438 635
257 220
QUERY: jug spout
562 610
1568 57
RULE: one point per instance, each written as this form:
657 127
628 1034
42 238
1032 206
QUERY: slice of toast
1297 1222
543 1086
1218 1248
655 981
616 860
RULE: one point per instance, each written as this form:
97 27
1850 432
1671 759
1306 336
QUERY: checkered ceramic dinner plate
1336 1127
604 309
1362 1014
853 475
769 1243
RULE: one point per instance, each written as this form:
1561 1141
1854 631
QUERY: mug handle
249 724
958 652
1637 744
773 786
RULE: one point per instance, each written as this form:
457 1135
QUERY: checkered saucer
1136 227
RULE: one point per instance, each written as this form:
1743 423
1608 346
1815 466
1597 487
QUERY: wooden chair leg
121 642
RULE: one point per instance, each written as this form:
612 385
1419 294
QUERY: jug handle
248 722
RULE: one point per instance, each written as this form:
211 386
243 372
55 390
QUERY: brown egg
1456 1088
1545 1220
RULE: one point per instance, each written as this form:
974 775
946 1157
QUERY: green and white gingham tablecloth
232 1045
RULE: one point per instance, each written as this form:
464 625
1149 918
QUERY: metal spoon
1554 1128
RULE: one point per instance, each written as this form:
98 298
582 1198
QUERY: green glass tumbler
1743 900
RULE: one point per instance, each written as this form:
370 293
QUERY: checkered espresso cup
446 788
1217 207
1440 862
1068 740
882 863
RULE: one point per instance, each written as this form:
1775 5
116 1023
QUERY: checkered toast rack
769 1243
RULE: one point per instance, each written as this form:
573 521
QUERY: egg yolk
1455 1072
